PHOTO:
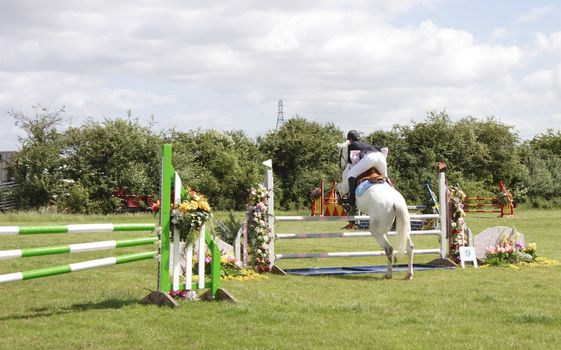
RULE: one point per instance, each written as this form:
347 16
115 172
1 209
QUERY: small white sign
468 254
268 163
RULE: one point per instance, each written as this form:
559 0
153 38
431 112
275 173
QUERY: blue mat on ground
353 270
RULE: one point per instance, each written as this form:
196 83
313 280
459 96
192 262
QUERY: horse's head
344 166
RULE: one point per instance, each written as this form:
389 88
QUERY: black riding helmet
353 135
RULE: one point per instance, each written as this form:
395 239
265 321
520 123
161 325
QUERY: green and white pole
75 248
166 175
82 228
84 265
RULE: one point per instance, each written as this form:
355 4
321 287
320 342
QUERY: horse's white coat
383 204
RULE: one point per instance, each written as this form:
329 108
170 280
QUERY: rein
341 160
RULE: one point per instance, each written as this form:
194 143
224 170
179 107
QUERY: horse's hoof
388 277
408 277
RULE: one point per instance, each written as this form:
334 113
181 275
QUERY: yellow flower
193 205
204 205
184 207
195 196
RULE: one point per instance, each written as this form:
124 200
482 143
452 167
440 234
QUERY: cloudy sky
226 64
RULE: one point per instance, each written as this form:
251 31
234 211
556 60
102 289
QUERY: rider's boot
350 206
352 189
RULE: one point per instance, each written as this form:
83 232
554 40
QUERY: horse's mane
344 144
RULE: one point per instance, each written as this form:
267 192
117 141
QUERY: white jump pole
443 214
202 255
188 267
176 243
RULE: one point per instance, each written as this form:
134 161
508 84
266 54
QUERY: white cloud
543 80
535 14
549 43
499 33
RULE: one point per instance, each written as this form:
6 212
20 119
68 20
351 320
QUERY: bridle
342 159
343 163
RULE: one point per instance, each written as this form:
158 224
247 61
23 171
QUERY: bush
74 199
228 229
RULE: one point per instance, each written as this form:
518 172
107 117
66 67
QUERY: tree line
78 169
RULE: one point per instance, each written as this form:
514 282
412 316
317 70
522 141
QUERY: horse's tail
402 226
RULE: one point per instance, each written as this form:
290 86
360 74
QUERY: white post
202 255
176 243
245 241
189 267
238 247
443 214
271 210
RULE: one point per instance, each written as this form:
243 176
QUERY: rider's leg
382 166
372 159
378 161
352 191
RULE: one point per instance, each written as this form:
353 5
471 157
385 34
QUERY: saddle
371 175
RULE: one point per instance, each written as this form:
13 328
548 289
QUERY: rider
364 156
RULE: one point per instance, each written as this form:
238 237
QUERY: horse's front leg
385 244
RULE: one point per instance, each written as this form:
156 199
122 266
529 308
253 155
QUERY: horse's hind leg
385 244
389 256
409 275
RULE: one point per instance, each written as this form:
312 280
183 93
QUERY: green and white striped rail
75 248
82 228
84 265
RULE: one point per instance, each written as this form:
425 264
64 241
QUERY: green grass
99 309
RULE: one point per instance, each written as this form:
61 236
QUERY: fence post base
442 262
278 271
160 299
221 294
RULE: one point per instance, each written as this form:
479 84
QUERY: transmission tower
280 116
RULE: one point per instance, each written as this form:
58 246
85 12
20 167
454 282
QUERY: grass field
465 309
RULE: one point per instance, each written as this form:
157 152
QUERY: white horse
383 204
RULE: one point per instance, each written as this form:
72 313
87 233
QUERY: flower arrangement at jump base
509 251
229 269
190 215
258 228
458 235
228 264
